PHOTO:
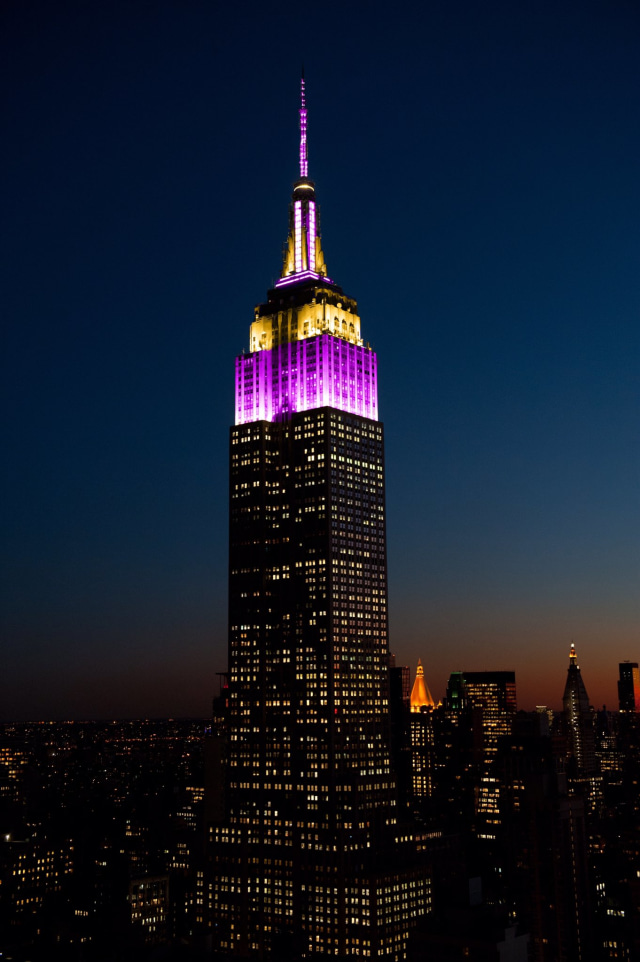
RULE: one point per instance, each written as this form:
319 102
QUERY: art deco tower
309 861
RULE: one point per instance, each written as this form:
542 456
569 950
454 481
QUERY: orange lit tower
422 737
420 694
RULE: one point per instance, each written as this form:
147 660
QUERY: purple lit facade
311 234
322 371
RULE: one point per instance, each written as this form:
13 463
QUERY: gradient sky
478 171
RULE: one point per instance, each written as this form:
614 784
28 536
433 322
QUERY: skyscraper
491 695
578 720
422 736
310 860
543 845
629 686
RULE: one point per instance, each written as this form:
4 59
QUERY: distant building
629 686
578 719
422 737
149 902
543 846
492 697
493 693
608 757
32 870
483 705
488 699
13 763
420 695
400 723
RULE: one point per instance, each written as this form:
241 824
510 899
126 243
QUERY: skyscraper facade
629 686
422 736
485 705
310 860
491 698
493 693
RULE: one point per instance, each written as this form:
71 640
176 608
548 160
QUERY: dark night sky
477 166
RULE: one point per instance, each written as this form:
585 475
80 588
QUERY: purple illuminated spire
304 162
303 259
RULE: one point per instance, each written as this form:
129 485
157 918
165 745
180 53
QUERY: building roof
420 695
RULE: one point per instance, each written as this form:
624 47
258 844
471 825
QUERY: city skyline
490 232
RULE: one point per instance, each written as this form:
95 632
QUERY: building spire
420 695
573 657
303 256
304 160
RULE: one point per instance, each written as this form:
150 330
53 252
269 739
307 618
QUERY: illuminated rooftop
420 695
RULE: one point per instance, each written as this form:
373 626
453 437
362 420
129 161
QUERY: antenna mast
304 162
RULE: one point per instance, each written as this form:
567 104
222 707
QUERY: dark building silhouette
629 686
400 712
422 738
479 711
579 726
543 847
494 693
310 859
615 835
488 698
578 719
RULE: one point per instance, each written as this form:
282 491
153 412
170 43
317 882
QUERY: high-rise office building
400 716
310 860
629 686
422 736
492 696
578 719
486 702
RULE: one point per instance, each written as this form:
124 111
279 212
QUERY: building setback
310 860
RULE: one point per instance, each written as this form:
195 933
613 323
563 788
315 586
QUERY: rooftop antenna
304 162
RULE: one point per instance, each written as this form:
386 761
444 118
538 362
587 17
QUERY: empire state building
309 861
